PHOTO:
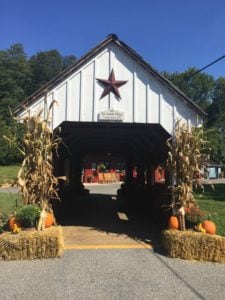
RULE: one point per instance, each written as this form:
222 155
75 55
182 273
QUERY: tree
199 87
19 78
209 94
216 120
14 77
45 65
68 61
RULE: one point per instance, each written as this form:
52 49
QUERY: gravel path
111 274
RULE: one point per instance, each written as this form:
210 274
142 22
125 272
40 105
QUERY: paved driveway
111 274
97 221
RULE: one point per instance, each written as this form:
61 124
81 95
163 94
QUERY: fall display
173 222
194 245
13 221
187 155
36 180
31 244
209 227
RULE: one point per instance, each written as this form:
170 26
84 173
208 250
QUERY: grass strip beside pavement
212 201
9 203
8 173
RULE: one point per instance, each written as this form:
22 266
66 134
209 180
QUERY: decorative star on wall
111 85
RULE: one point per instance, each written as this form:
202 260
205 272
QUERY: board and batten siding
144 99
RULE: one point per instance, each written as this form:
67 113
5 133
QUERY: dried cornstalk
36 180
188 153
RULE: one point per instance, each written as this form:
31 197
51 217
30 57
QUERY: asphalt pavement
111 274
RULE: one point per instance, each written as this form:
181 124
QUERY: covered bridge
112 101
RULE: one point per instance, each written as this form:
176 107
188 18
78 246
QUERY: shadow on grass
212 192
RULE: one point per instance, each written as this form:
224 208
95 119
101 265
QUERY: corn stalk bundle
36 180
188 153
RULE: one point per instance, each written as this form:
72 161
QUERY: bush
3 221
28 215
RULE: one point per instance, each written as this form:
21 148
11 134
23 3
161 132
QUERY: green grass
8 203
8 173
212 201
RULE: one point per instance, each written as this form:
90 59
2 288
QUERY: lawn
212 201
9 202
8 173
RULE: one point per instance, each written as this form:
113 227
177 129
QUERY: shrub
28 215
3 221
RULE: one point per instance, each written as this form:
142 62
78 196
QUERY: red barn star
111 85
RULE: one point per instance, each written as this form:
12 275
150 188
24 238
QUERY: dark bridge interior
142 145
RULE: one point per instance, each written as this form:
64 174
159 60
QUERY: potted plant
193 216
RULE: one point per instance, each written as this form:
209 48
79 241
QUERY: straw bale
32 244
194 245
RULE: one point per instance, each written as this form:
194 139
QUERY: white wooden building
112 100
147 97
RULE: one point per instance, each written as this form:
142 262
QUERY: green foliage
28 215
209 94
9 203
199 87
212 201
14 76
45 65
8 173
3 221
101 167
8 154
216 120
20 76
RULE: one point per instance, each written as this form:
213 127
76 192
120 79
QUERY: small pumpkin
49 220
16 229
13 221
209 226
173 222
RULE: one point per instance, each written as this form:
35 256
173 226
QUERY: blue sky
171 35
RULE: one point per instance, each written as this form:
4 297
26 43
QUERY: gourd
49 220
13 221
173 222
209 226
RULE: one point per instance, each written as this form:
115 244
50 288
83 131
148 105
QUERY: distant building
213 170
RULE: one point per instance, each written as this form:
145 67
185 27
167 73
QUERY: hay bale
32 244
194 245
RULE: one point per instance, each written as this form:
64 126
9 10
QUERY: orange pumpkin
49 221
209 227
13 221
173 222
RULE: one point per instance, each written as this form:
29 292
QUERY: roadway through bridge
98 220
